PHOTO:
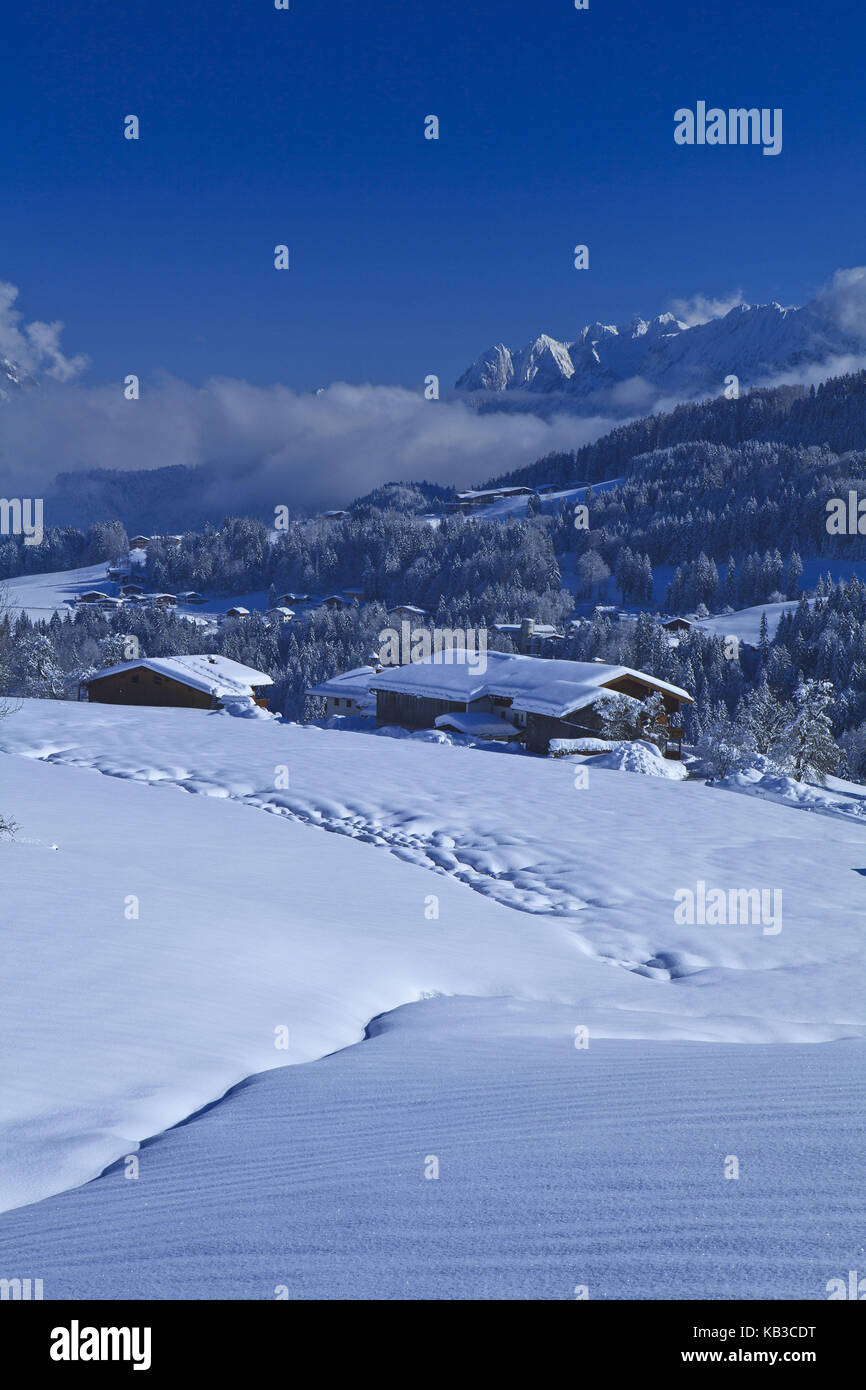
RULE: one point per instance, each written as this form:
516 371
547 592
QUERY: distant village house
529 637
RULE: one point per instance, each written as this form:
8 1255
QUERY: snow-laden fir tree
723 746
809 744
35 671
764 718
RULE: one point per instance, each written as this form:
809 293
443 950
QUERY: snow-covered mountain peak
755 342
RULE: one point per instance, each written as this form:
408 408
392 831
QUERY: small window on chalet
135 680
157 680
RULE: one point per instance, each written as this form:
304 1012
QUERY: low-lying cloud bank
261 447
266 446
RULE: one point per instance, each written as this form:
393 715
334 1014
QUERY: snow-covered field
557 1168
41 595
746 622
158 938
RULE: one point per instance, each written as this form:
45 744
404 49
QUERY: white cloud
271 445
843 300
264 446
33 347
700 309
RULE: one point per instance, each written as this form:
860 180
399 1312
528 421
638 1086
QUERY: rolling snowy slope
557 1168
116 1025
170 907
41 595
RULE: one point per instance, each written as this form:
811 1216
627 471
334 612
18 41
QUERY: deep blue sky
409 256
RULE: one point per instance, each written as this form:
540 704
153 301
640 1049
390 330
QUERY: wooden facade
585 723
412 711
420 712
142 686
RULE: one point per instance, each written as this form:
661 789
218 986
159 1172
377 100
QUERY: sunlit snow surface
602 1169
556 901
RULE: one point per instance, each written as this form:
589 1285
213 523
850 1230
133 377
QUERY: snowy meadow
211 949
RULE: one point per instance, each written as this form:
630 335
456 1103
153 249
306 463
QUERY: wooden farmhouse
482 497
543 699
408 611
279 615
184 682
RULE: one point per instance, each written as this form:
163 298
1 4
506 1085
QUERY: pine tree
794 575
811 749
764 642
646 580
764 718
35 670
730 591
854 744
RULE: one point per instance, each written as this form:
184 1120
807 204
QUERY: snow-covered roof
539 630
534 685
409 608
216 675
479 494
351 685
478 724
